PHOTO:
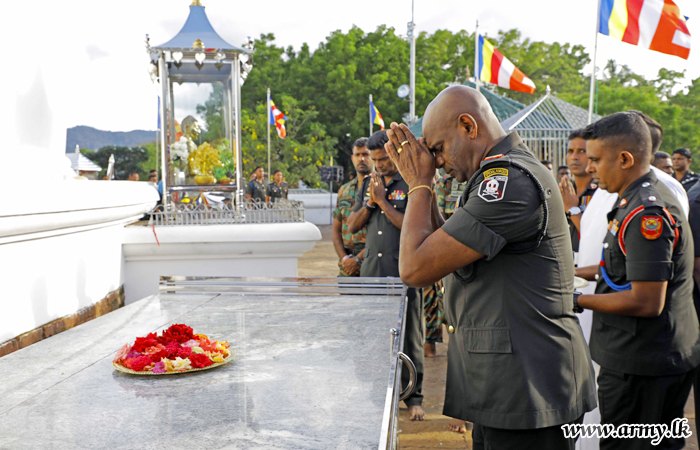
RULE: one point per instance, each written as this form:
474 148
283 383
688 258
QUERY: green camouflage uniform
432 296
353 243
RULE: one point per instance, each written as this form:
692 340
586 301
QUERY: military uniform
583 201
256 189
353 243
275 191
647 363
517 358
689 180
382 260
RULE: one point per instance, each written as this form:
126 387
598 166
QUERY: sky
91 54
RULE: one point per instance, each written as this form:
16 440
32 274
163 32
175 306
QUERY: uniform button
652 198
382 212
379 232
606 245
394 206
596 277
451 329
645 184
380 255
443 289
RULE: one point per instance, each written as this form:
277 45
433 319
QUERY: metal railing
281 211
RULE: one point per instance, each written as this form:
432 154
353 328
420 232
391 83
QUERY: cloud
94 52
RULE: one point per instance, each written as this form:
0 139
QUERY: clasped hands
415 161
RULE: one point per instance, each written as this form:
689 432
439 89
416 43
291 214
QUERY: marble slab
311 372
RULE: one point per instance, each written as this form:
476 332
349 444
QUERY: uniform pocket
466 274
624 323
487 340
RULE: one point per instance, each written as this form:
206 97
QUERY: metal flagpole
477 72
269 119
593 75
412 74
370 114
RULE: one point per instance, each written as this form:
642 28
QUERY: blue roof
196 27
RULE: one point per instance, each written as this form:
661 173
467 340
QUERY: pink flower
122 352
159 367
190 343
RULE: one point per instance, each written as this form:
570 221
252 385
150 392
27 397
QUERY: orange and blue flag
497 69
654 24
277 118
376 117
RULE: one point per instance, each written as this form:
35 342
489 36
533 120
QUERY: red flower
172 348
142 343
139 363
184 352
178 332
199 360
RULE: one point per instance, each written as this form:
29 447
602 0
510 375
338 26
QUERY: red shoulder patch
493 157
652 226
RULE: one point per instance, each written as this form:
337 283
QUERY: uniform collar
508 143
636 184
396 178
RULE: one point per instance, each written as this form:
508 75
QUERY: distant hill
94 139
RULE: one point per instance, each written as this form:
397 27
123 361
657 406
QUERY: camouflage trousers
342 272
434 311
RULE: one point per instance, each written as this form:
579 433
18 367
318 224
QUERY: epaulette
494 159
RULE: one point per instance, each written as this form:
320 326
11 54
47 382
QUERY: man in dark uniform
681 168
645 331
255 191
278 188
350 246
380 205
578 194
518 365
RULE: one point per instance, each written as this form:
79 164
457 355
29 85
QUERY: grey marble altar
311 372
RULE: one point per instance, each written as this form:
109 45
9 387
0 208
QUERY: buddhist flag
376 117
654 24
277 118
497 69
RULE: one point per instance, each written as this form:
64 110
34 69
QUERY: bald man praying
518 365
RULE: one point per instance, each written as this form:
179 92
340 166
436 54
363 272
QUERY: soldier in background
350 247
255 191
277 188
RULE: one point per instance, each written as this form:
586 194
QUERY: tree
127 160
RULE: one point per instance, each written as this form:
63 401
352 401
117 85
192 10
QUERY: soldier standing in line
255 191
380 205
518 364
277 188
348 246
645 333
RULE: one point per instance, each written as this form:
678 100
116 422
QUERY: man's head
133 177
385 167
576 157
277 176
360 157
619 150
548 164
259 172
655 128
460 128
153 178
662 161
681 159
561 171
152 172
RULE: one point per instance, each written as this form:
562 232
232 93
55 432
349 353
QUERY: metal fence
281 211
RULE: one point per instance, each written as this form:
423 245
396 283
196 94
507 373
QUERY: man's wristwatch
358 260
575 211
577 308
371 208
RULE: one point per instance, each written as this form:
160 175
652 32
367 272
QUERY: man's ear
626 160
468 123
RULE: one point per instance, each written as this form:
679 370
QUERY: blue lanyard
613 286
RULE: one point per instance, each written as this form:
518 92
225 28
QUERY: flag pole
593 75
269 119
370 114
477 73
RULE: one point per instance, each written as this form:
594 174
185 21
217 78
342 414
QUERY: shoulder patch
652 226
497 171
493 188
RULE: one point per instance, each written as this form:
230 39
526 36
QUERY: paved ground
431 433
